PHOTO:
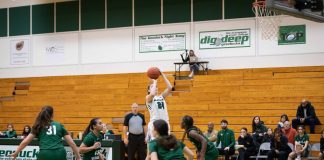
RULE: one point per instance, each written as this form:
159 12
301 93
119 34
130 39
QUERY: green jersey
51 136
226 138
11 134
211 151
165 154
302 140
89 140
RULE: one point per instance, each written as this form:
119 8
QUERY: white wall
116 50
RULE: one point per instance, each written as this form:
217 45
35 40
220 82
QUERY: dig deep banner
224 39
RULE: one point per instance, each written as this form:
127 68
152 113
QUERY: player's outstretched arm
22 145
71 143
168 90
152 91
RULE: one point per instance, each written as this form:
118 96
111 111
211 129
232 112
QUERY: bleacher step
7 98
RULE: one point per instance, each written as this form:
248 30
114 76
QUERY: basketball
153 73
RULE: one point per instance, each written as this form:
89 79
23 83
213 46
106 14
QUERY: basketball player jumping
156 105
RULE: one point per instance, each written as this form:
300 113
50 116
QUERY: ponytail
90 127
168 142
43 119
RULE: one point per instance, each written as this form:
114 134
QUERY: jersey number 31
51 130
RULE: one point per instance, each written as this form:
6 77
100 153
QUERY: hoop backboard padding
267 19
283 7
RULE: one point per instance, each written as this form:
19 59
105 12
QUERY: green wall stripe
43 18
119 13
238 9
204 10
92 14
19 21
67 16
3 22
176 11
147 12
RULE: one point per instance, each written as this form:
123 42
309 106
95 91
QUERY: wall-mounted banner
19 52
292 35
31 152
54 49
224 39
162 42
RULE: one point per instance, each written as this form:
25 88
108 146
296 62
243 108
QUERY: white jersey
158 109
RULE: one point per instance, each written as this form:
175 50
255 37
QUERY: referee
134 124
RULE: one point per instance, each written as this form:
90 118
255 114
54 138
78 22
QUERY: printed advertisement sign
224 39
19 52
31 152
295 34
162 42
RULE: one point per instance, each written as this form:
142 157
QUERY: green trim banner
162 42
295 34
225 39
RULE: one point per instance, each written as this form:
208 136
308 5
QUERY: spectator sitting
306 115
258 130
26 131
289 132
227 140
321 154
246 146
211 133
279 146
301 145
194 67
10 132
268 136
106 129
109 130
283 119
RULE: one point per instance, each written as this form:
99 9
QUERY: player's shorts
52 154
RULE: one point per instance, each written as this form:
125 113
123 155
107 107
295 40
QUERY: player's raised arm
168 90
152 91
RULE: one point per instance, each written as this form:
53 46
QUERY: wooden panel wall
235 95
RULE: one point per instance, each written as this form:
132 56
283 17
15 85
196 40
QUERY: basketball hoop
267 19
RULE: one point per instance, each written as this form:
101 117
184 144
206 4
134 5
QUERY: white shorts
150 128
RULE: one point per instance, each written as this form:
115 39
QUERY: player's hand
13 155
96 145
126 141
226 148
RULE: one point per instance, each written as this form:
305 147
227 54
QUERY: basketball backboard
307 9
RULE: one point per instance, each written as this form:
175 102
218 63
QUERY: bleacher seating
236 95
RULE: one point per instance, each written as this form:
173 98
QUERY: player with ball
155 102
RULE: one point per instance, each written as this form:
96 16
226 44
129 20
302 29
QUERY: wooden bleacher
235 95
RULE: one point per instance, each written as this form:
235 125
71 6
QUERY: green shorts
52 154
211 154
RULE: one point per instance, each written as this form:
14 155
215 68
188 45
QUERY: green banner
292 35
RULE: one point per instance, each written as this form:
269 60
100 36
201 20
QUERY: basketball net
268 20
